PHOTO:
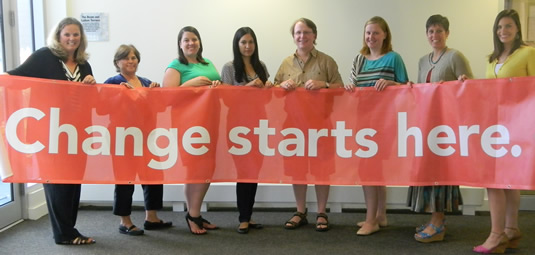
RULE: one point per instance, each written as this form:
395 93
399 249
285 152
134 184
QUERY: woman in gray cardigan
442 64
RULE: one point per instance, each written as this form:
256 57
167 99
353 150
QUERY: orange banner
477 133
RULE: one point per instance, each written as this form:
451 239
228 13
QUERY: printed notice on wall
95 26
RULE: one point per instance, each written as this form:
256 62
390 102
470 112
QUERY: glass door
10 198
10 204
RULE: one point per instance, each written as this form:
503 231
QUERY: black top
43 64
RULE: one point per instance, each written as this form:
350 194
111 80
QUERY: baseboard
35 204
277 196
527 202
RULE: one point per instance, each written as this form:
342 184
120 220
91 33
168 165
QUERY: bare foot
195 229
209 226
295 219
493 241
322 223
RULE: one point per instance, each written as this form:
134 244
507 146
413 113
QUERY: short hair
387 43
309 24
181 57
80 56
438 20
498 45
122 53
239 67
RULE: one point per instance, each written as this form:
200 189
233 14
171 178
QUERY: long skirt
434 198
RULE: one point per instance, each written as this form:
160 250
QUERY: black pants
62 201
122 202
245 194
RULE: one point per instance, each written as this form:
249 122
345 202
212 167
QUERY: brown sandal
513 240
320 225
293 225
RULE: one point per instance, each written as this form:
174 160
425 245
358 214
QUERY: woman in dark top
246 70
126 61
63 59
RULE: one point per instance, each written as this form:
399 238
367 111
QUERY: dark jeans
245 194
62 201
122 202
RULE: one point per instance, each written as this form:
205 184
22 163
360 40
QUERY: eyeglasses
303 33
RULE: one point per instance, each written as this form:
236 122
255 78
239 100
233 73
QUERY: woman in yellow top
511 58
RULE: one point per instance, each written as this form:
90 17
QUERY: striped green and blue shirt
388 67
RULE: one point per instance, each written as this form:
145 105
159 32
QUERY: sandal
244 230
79 241
384 224
423 226
293 225
438 236
513 240
157 225
198 221
322 226
131 231
204 221
255 225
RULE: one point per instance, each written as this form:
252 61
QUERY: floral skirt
434 198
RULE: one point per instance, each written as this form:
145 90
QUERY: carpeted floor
463 232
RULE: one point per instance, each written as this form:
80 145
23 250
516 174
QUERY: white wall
55 10
153 27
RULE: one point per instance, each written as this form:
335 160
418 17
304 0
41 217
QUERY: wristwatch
327 85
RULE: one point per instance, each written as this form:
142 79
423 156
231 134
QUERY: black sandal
207 222
148 225
255 225
79 241
293 225
131 231
319 225
198 221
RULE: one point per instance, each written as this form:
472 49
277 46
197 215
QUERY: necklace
250 72
432 54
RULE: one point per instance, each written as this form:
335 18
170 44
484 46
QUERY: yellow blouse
520 63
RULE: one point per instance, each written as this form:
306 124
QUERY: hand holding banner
474 133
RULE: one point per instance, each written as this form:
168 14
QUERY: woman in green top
192 70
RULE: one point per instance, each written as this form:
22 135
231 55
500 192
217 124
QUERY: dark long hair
498 45
240 75
181 56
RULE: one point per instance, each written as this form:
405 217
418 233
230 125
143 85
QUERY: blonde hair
387 43
80 56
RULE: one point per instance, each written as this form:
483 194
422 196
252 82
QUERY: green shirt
190 71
